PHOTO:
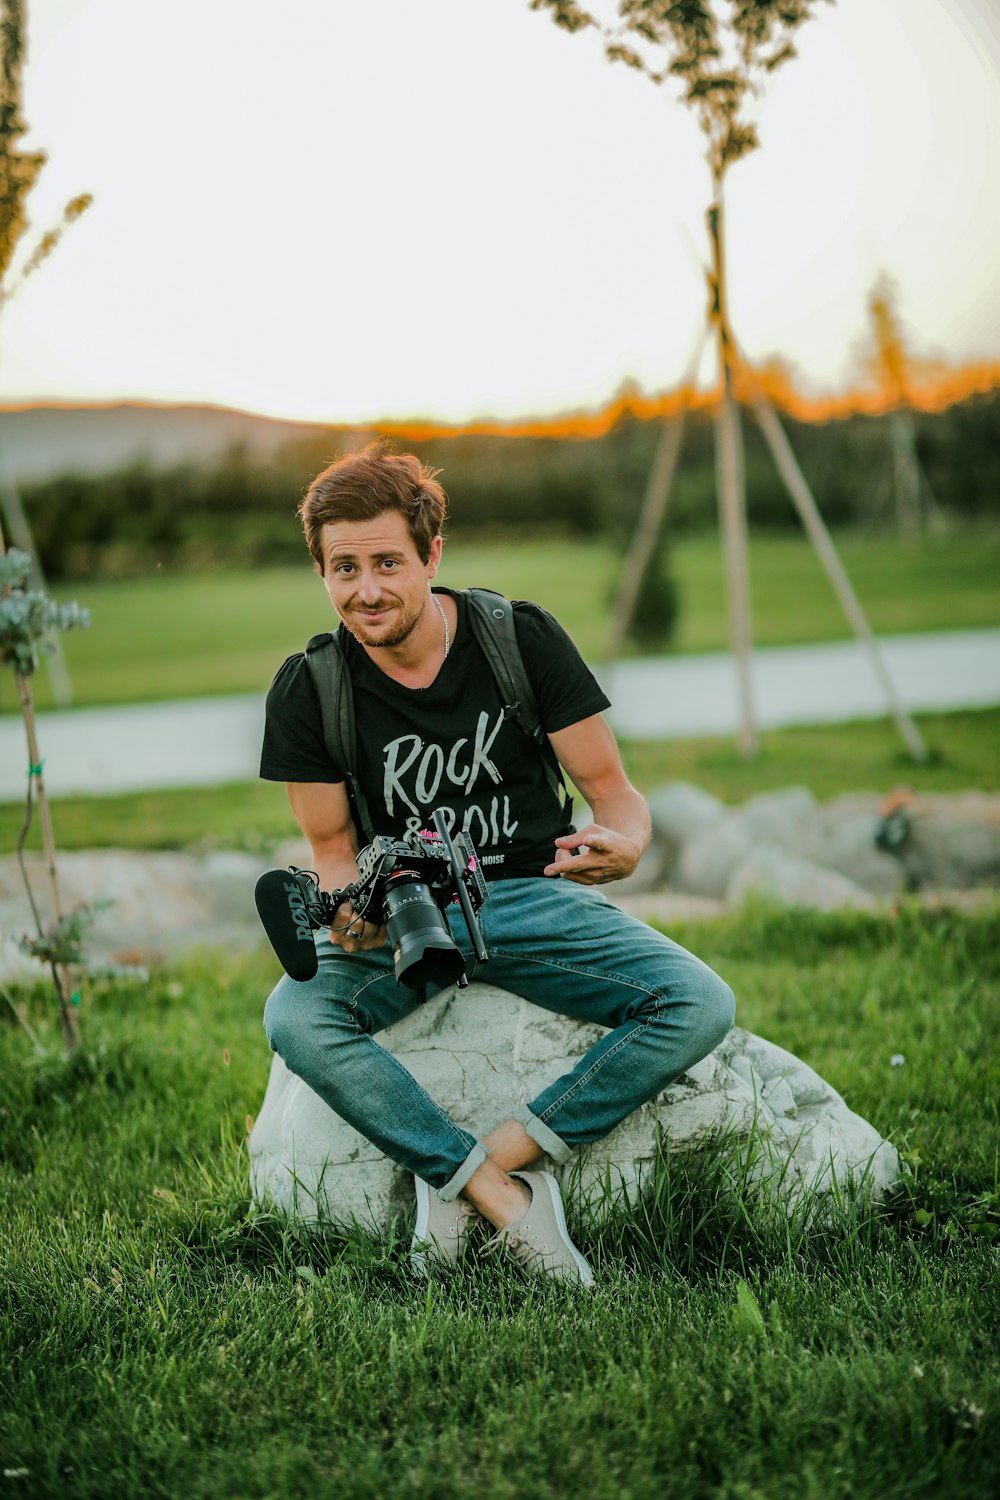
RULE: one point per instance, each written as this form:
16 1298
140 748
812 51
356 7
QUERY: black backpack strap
492 619
332 681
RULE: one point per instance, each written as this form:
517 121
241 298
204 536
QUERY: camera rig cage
404 882
423 854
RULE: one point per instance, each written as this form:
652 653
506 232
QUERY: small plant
27 619
28 616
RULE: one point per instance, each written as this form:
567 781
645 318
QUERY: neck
417 660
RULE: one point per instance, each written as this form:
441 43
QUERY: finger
561 862
592 837
574 867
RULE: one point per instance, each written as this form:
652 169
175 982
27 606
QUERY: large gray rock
780 877
953 841
481 1052
788 820
678 811
152 905
849 826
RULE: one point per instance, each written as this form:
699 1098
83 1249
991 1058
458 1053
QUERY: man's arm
323 813
609 847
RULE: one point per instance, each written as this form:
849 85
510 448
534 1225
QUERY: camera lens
422 946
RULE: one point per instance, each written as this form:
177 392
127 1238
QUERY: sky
334 211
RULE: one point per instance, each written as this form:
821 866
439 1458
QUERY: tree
893 366
19 169
28 616
720 52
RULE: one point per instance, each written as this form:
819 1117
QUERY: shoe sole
419 1258
582 1265
423 1254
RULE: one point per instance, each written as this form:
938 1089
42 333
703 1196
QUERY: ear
434 560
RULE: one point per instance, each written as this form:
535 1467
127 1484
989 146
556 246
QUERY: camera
404 884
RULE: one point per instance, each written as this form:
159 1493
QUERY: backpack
492 622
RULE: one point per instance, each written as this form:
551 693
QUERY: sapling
27 619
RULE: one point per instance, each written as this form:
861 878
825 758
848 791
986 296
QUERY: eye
343 568
390 562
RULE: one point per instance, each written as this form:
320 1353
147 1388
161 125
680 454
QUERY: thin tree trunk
731 487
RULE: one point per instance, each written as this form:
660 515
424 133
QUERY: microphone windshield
282 909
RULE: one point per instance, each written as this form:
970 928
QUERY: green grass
172 636
829 759
156 1339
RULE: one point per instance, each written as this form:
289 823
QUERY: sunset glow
454 210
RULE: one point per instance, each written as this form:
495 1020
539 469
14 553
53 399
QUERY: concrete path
208 741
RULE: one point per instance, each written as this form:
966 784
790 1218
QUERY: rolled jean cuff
471 1164
546 1138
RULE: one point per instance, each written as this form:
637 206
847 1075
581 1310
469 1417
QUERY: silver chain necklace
444 621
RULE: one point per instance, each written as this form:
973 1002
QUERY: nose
369 588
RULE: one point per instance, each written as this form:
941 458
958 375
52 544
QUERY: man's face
375 579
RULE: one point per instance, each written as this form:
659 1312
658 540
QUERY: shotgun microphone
281 906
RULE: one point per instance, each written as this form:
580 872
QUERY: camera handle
464 900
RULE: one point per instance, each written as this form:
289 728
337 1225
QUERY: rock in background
481 1052
951 841
786 847
152 906
783 847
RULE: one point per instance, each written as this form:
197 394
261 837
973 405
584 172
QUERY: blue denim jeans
561 946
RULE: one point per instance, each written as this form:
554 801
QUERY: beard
402 628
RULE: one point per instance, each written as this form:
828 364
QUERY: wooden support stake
64 984
802 497
654 507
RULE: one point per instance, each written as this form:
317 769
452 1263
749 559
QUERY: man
432 732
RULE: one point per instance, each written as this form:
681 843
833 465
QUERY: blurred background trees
238 509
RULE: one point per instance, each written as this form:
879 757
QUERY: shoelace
457 1226
523 1243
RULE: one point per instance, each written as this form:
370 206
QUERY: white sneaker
539 1239
441 1230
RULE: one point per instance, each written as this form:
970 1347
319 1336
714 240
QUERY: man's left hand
594 856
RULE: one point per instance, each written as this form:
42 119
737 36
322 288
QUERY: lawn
173 636
158 1339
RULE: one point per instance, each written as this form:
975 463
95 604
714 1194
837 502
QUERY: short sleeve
565 687
294 748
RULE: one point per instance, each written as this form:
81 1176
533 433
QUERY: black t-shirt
447 745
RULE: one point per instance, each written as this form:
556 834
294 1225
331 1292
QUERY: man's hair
362 486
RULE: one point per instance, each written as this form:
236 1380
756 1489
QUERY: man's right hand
353 934
322 812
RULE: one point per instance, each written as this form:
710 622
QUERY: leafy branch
28 616
19 169
64 941
719 51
